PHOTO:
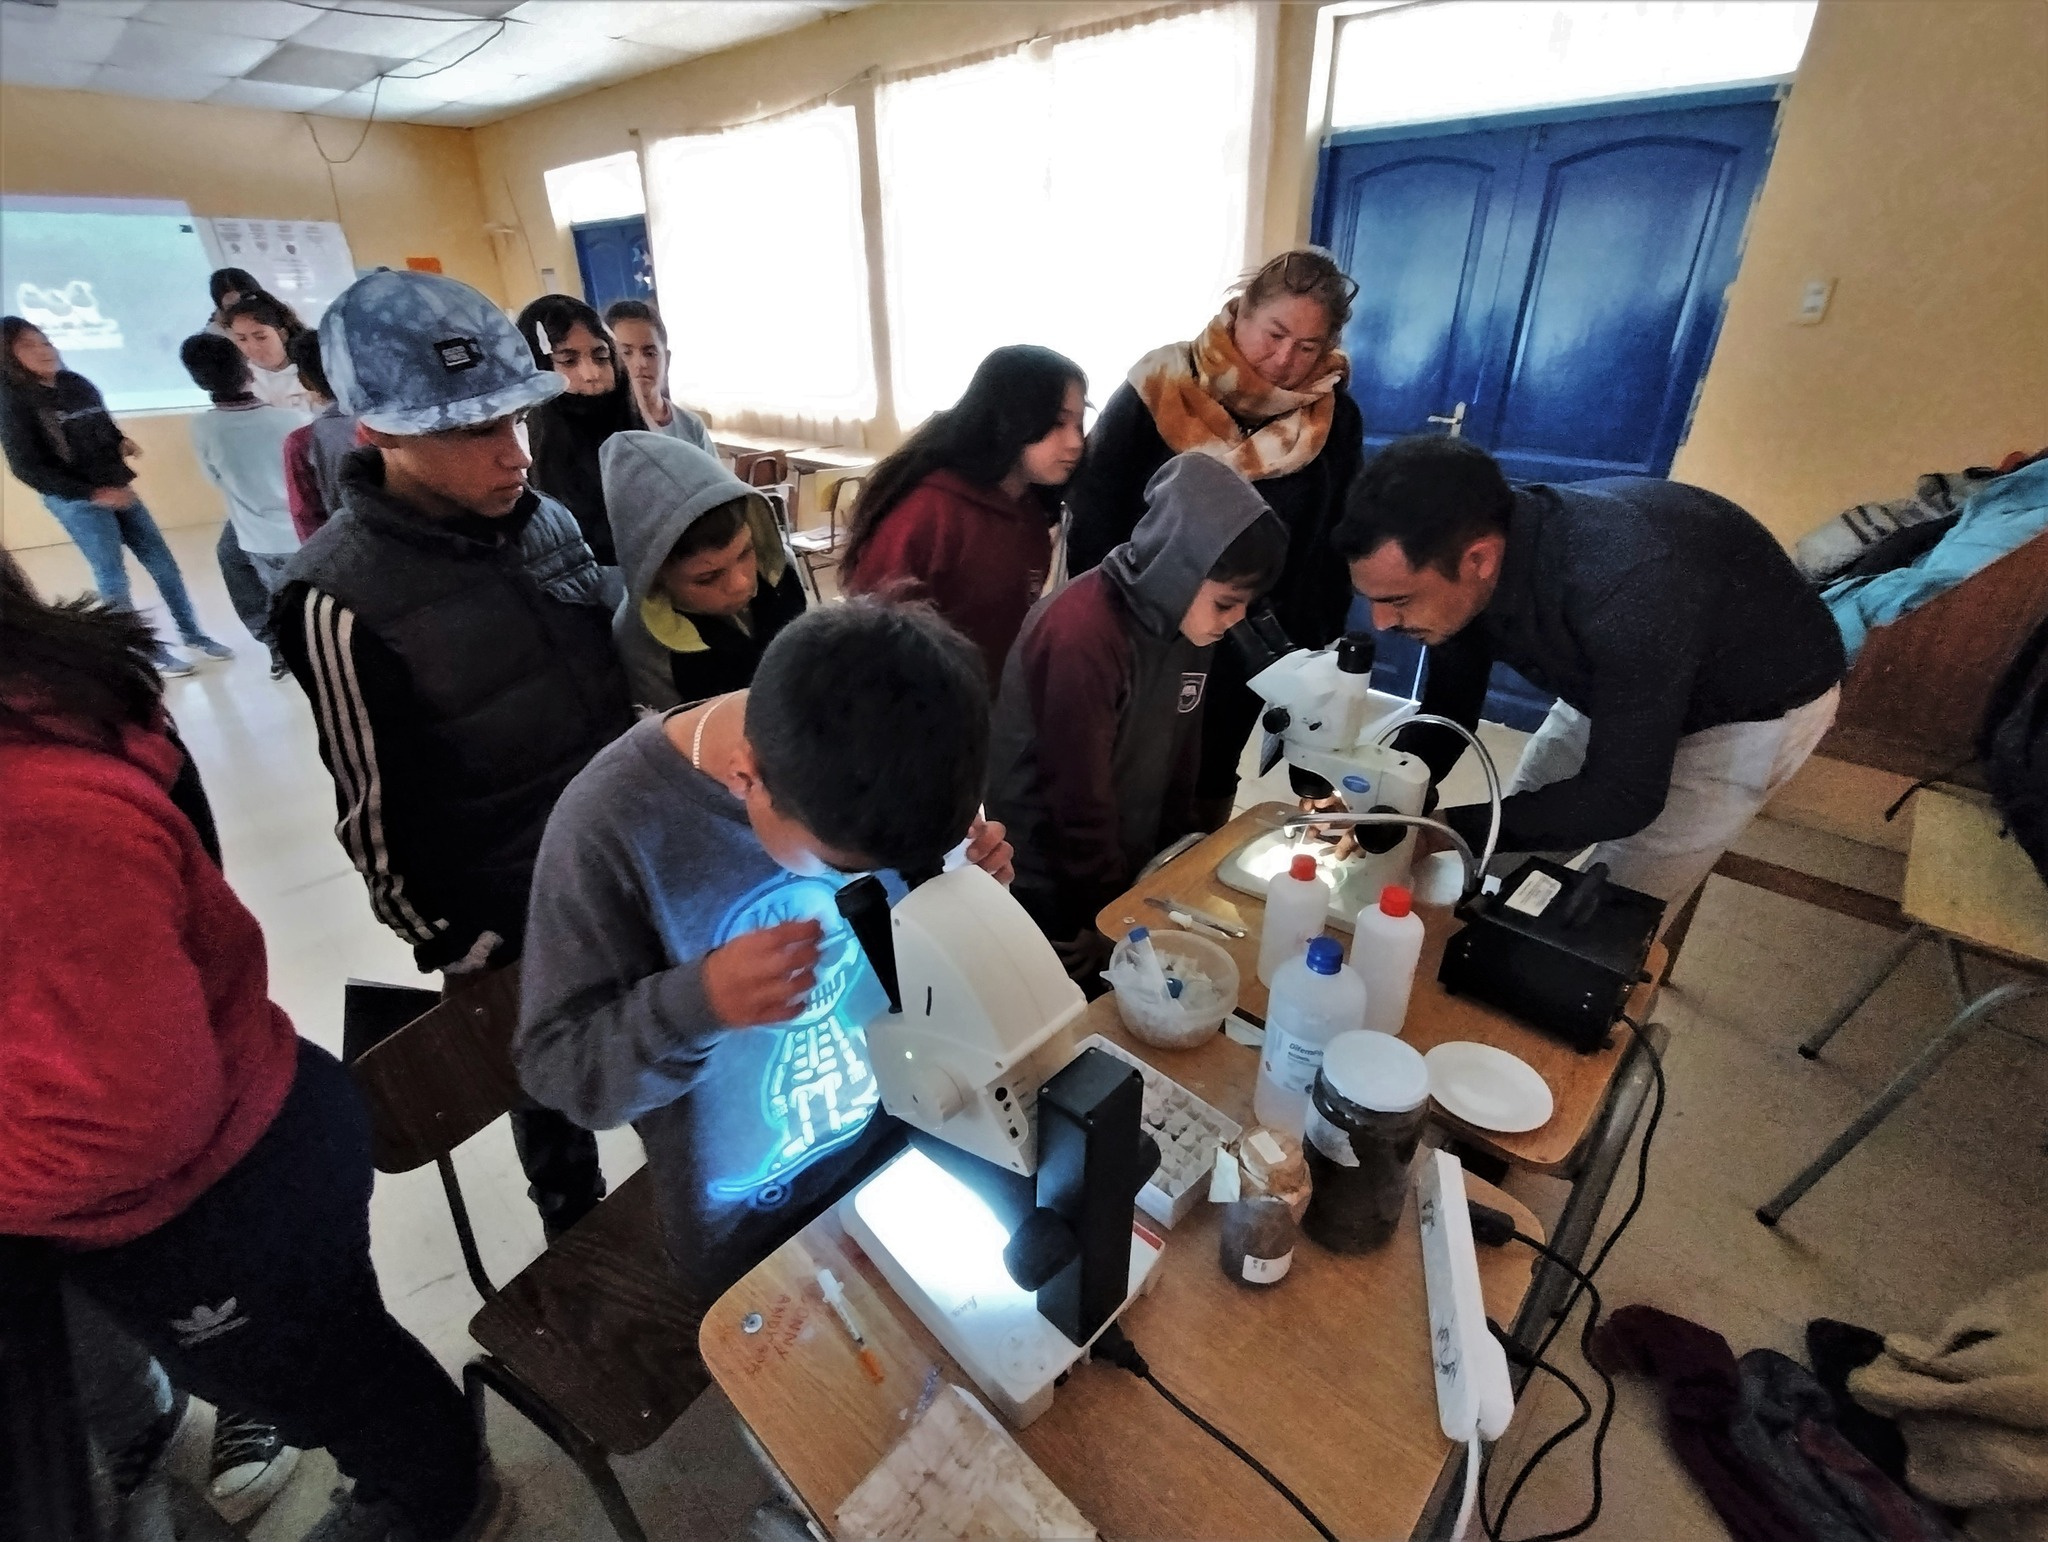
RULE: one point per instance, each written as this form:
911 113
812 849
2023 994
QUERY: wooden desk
803 455
1325 1377
1580 1084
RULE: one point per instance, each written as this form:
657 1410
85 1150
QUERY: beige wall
412 192
1912 169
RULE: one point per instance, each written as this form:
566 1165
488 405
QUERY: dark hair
1256 558
305 353
1013 400
712 529
1433 495
558 315
12 369
83 660
636 310
235 281
870 724
269 311
216 366
1308 271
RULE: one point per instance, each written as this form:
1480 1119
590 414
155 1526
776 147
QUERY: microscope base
1354 883
941 1250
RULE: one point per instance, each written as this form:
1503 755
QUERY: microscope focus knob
936 1093
1276 720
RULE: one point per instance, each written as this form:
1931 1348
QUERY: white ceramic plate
1488 1088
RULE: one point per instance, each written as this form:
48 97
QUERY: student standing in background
642 337
454 637
264 327
565 433
314 452
709 583
226 286
963 513
240 445
61 441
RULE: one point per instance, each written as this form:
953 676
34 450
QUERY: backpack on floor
2012 744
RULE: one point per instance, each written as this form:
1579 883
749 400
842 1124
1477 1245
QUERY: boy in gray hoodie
709 584
1098 724
687 968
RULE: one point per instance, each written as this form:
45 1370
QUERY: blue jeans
101 533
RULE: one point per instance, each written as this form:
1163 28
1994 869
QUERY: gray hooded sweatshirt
1097 730
656 487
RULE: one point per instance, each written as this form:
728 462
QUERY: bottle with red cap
1297 905
1386 945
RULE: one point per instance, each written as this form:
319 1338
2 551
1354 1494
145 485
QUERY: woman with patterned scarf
1261 389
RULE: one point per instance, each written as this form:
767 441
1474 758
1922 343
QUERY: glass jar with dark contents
1366 1110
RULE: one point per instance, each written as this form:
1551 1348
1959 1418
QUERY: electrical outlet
1813 300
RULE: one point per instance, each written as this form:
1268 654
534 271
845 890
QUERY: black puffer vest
507 645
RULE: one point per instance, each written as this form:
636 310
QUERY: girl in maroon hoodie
962 513
203 1171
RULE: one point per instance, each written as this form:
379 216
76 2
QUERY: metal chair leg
587 1454
1902 1087
1814 1041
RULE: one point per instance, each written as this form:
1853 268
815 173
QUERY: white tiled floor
1946 1198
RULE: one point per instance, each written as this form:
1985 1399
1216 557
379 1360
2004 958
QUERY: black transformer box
1557 948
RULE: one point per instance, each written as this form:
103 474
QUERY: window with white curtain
1090 194
766 313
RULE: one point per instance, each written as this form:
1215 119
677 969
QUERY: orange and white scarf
1204 397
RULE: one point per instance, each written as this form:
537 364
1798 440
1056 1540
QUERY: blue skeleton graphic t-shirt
646 867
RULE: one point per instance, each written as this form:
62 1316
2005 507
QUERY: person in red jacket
962 514
204 1171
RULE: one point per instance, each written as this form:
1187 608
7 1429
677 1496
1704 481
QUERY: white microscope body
1323 717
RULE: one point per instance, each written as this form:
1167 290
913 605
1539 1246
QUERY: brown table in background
1580 1084
1325 1377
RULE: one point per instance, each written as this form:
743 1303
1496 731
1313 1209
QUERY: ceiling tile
117 8
272 96
58 35
294 64
708 28
166 85
394 36
607 18
19 69
488 8
145 46
396 99
272 19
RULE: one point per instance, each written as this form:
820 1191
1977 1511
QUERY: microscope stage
940 1248
1354 883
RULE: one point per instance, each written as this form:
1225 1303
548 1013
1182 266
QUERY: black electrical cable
1495 1527
1115 1347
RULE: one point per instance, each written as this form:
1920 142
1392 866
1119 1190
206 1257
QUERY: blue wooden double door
614 259
1548 285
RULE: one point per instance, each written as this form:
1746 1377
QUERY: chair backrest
765 468
443 1076
844 492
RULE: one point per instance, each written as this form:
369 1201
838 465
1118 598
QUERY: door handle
1454 420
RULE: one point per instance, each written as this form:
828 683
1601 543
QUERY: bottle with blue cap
1314 998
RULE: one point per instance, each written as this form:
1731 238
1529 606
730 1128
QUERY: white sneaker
250 1463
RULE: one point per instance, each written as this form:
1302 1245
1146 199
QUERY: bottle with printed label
1314 998
1297 905
1386 944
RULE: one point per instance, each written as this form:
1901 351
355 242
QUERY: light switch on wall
1813 300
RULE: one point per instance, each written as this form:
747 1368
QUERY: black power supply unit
1558 948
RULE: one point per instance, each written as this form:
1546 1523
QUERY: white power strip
1474 1395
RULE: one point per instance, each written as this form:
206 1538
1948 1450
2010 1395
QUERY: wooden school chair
820 548
590 1341
1968 886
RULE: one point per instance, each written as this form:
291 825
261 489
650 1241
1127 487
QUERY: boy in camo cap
452 631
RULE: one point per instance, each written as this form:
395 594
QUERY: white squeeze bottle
1385 946
1297 905
1314 998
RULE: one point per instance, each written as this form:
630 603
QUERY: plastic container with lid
1297 905
1386 945
1314 998
1365 1116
